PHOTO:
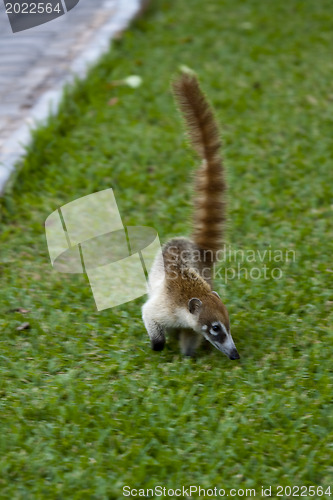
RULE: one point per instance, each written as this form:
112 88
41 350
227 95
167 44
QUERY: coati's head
211 320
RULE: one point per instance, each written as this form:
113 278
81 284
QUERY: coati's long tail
210 185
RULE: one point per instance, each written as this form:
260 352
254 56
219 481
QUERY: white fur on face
224 328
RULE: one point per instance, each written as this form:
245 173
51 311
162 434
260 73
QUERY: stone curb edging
124 12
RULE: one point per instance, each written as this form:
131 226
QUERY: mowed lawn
85 406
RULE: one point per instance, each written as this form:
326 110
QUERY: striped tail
210 185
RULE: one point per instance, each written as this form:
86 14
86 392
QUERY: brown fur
183 282
210 185
182 262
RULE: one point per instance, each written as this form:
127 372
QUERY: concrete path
36 63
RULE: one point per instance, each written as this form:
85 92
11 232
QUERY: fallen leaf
133 81
113 101
19 310
186 69
23 326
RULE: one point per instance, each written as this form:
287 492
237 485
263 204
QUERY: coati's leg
189 341
155 330
156 335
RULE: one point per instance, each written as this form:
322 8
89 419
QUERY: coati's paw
189 342
158 344
189 352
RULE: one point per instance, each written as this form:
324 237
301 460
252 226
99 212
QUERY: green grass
85 406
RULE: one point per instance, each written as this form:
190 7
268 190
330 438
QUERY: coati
180 281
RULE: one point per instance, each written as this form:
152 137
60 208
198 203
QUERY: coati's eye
215 329
219 331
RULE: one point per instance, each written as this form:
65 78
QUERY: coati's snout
218 335
234 355
212 321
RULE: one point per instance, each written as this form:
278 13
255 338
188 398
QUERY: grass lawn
85 406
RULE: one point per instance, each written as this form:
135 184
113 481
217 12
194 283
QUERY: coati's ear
215 293
194 305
